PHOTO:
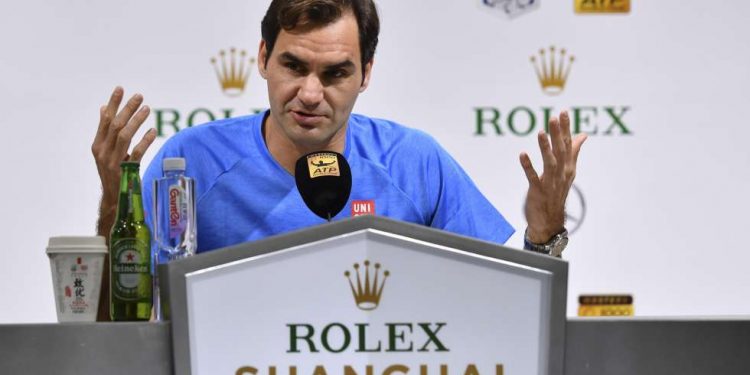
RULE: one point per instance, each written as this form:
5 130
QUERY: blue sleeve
443 192
186 144
460 206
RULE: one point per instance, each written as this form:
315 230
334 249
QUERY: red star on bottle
130 257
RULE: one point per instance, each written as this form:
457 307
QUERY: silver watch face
558 244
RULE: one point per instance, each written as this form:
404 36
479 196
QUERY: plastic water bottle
174 210
174 218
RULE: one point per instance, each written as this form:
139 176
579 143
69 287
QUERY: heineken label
129 268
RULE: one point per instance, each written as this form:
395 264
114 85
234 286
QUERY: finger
101 130
550 162
124 116
565 132
528 168
140 149
577 143
107 113
126 134
114 102
558 145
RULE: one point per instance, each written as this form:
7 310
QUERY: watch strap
554 246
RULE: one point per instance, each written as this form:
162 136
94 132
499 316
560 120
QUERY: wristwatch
553 247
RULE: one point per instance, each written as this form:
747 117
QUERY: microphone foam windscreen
324 181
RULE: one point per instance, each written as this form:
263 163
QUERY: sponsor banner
552 67
232 68
660 99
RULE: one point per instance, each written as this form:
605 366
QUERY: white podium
367 296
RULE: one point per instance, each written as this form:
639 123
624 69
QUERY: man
317 57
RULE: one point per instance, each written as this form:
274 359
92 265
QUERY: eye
293 66
337 74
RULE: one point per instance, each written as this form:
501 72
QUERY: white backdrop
665 204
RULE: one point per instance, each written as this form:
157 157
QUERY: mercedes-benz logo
575 210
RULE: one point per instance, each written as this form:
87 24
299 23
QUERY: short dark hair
290 14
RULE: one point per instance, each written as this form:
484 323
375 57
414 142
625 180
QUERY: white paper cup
77 264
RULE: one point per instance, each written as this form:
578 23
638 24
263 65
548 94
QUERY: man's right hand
111 145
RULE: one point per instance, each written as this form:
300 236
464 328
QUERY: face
314 77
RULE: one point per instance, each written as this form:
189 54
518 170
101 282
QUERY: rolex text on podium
306 339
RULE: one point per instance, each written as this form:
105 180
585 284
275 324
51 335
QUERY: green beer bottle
130 285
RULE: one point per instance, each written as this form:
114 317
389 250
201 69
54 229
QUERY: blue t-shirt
243 194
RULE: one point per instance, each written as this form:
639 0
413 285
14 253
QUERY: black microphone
324 180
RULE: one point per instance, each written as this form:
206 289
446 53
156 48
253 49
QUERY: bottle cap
173 164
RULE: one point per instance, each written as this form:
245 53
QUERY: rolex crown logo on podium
552 68
367 291
232 70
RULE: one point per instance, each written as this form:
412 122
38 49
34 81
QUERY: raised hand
111 145
545 201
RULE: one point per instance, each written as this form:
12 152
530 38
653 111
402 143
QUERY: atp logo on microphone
323 164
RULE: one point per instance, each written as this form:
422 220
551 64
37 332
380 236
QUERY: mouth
306 119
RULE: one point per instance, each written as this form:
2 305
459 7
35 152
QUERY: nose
311 91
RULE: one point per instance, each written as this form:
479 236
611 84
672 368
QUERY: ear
366 79
262 58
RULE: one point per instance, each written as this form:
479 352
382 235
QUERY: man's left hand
545 201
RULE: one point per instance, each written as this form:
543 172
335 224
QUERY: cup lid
77 244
